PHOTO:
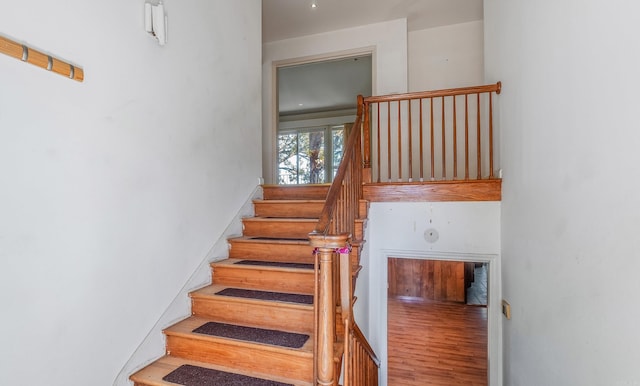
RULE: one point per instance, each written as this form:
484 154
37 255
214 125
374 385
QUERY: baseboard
153 345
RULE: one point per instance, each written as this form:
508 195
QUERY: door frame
275 122
379 320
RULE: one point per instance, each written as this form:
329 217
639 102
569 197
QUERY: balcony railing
440 135
444 135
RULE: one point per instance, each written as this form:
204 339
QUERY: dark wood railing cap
497 87
319 240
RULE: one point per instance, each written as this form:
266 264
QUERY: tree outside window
302 154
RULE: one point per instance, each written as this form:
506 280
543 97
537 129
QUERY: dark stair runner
266 295
258 335
199 376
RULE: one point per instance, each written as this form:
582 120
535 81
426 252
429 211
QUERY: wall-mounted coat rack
37 58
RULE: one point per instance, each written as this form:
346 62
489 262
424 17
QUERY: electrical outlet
506 309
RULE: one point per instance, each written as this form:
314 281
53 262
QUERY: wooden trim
436 93
482 190
366 133
26 54
365 344
478 139
490 135
432 140
455 140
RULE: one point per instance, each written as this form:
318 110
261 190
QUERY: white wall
570 209
114 190
468 231
446 57
154 344
387 41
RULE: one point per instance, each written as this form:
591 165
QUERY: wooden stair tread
278 233
152 374
211 290
294 280
281 219
264 240
290 201
185 329
279 227
232 263
315 191
271 249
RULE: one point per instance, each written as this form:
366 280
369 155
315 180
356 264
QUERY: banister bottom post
326 304
326 307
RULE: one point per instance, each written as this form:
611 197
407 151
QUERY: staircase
266 285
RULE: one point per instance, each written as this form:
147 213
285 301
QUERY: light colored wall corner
363 286
446 57
570 202
153 345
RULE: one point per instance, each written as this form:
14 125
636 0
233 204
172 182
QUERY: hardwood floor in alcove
436 343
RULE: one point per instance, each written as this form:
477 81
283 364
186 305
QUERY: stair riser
243 357
301 192
262 279
265 316
284 253
354 257
278 229
358 230
288 209
281 253
363 208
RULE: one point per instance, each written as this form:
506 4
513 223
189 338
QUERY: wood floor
436 343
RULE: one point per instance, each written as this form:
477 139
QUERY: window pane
288 158
316 157
301 158
337 138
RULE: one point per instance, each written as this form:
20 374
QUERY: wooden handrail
365 344
438 144
22 52
435 93
360 362
334 275
352 149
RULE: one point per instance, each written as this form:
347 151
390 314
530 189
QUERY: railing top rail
365 344
435 93
322 227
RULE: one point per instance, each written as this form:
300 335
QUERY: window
302 154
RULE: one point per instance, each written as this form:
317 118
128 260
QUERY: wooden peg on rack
42 60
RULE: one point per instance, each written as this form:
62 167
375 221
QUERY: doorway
437 322
315 103
378 312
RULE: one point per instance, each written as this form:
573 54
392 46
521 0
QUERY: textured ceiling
283 19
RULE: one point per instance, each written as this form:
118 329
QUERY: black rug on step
275 264
258 335
266 295
199 376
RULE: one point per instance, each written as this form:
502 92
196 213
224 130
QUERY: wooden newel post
326 246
